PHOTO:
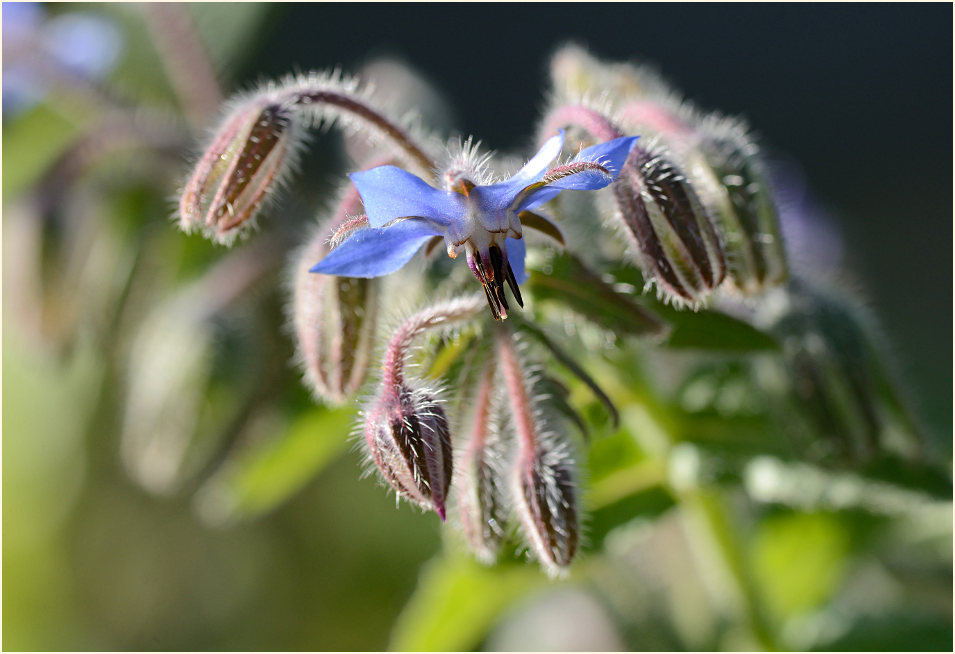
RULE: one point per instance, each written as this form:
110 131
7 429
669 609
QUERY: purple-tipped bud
335 320
732 181
409 439
249 155
678 247
406 429
543 488
480 500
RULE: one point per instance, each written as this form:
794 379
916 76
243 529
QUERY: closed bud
480 499
335 319
406 429
247 159
576 73
409 440
542 489
833 376
545 499
676 242
731 179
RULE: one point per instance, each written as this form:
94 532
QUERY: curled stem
438 315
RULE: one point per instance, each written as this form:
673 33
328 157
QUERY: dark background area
860 95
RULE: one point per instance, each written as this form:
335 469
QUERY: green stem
711 520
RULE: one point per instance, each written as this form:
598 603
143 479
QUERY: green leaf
706 329
263 476
711 330
800 560
31 143
565 279
457 601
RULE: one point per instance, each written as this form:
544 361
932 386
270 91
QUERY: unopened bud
576 73
731 179
406 429
409 440
543 490
480 500
677 244
834 377
335 320
249 155
546 503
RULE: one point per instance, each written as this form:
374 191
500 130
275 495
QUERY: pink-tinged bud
247 159
671 229
543 489
335 320
409 439
480 498
406 429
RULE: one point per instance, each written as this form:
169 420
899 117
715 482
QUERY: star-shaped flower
484 221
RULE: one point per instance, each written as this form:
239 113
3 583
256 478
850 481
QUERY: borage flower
484 221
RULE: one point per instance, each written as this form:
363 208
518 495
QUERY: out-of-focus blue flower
484 221
78 43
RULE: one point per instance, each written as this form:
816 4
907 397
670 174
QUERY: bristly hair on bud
670 227
256 146
575 73
543 488
732 180
250 155
409 440
481 497
406 430
334 321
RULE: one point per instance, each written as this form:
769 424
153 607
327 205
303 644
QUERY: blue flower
484 221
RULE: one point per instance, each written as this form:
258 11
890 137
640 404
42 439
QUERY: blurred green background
860 96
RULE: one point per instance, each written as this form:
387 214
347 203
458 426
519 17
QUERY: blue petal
377 251
534 169
516 253
611 155
389 193
502 194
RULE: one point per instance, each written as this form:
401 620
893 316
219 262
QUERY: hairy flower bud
729 175
833 376
335 319
480 498
576 73
543 489
678 247
406 429
409 439
545 498
248 157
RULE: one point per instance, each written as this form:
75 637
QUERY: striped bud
543 489
248 157
409 440
678 247
730 177
545 499
833 375
406 429
335 319
480 500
